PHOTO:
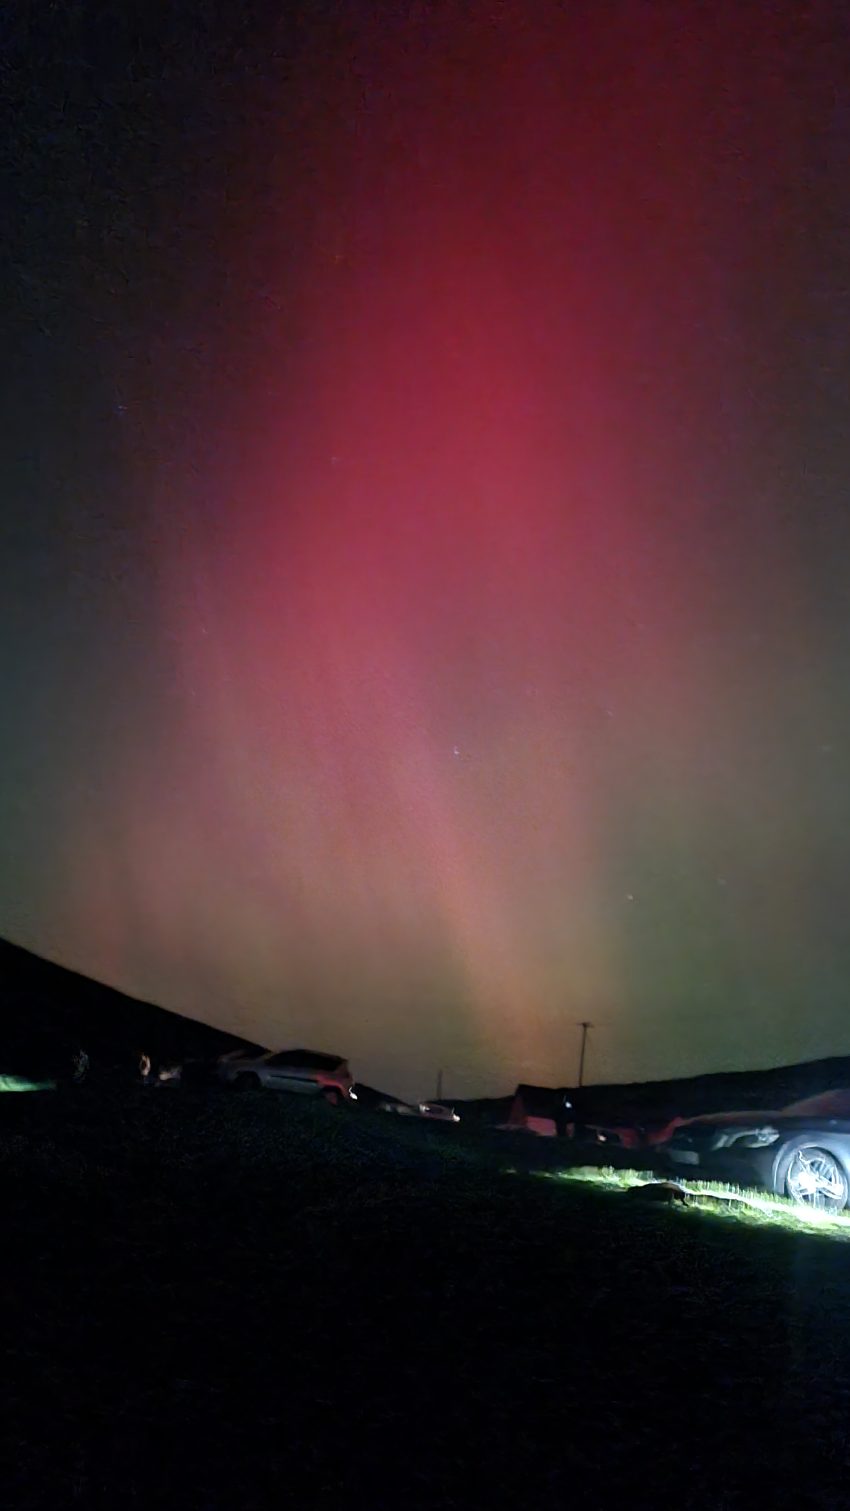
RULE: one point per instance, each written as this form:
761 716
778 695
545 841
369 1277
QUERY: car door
281 1076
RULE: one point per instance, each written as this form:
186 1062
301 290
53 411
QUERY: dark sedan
802 1152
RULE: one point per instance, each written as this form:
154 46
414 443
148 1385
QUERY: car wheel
814 1178
247 1081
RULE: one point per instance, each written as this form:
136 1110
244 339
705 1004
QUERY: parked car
633 1135
434 1110
303 1071
616 1135
438 1112
802 1152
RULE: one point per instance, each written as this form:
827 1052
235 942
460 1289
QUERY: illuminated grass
730 1203
22 1083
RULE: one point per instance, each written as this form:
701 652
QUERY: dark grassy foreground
249 1303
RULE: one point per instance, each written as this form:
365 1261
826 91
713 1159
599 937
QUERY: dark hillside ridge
722 1091
647 1102
47 1010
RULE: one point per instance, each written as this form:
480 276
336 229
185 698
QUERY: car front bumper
746 1167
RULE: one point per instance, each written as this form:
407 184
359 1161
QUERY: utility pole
584 1028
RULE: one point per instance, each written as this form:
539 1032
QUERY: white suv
303 1071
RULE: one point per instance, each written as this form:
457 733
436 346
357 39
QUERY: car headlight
759 1138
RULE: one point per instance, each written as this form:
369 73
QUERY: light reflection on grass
730 1203
22 1083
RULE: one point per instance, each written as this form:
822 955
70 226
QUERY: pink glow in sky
484 684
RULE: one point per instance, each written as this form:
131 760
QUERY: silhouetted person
79 1066
564 1115
578 1114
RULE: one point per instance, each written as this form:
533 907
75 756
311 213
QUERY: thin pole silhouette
584 1028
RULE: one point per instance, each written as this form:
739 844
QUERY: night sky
425 543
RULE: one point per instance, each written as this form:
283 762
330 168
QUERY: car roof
733 1117
824 1104
309 1059
306 1059
833 1104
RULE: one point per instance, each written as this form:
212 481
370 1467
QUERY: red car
634 1135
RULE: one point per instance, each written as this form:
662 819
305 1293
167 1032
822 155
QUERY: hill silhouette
721 1091
648 1102
48 1011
